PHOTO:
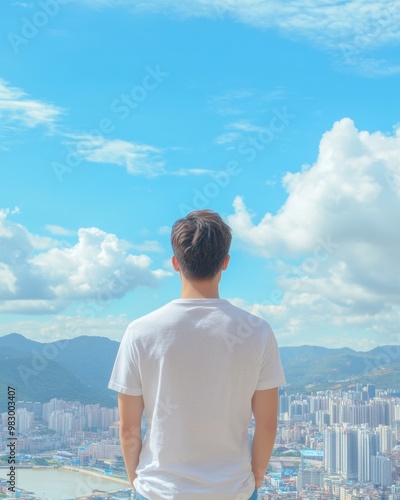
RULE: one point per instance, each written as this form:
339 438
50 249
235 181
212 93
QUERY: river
60 484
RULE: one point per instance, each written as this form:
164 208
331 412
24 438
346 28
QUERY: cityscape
333 444
117 119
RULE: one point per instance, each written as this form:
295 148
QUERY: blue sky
117 118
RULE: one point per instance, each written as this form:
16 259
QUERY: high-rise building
334 411
310 477
340 455
386 438
24 420
283 404
61 422
322 419
368 446
299 410
371 390
381 470
348 452
396 429
330 457
379 412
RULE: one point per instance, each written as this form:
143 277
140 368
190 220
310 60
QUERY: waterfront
60 484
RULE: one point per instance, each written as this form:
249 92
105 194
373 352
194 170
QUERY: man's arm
130 415
265 410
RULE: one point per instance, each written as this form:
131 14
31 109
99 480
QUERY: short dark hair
200 242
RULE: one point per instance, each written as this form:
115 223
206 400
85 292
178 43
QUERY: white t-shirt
197 363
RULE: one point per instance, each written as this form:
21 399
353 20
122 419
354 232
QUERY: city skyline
328 439
117 118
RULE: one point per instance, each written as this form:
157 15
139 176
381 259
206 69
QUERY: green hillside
76 369
317 368
53 381
79 369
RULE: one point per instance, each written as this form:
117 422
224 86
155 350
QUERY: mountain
79 368
71 369
320 368
15 343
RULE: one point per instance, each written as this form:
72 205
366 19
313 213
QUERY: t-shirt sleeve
125 376
271 372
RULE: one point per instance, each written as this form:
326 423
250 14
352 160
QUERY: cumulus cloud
58 230
39 278
303 318
348 29
337 234
16 108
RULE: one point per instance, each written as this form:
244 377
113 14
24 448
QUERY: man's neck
207 289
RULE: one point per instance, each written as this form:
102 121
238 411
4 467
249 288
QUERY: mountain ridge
80 368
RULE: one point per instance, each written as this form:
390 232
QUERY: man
198 367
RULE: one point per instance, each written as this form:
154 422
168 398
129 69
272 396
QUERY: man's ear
226 262
175 263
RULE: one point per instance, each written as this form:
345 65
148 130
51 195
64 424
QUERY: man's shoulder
152 316
249 317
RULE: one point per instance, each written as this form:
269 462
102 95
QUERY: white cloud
58 230
168 265
245 126
348 29
23 4
164 230
311 319
227 138
42 278
236 129
231 103
340 224
183 172
7 279
30 306
136 158
278 94
61 326
355 180
17 108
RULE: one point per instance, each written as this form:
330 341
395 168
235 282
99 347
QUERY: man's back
197 364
